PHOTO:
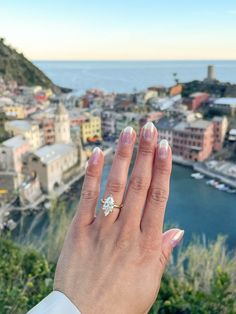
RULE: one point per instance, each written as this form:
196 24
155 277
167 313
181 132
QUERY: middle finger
141 177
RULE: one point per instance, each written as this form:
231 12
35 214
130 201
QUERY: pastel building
91 129
193 141
108 122
220 130
195 100
16 111
11 153
51 162
19 111
165 128
29 130
48 128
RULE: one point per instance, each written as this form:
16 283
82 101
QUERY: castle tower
62 125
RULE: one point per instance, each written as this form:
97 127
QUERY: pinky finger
91 188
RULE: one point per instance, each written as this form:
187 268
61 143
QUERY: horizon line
131 60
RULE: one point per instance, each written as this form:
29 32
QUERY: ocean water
193 206
125 76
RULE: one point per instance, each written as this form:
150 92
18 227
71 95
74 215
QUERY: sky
120 30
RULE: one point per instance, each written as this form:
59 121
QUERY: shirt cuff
55 303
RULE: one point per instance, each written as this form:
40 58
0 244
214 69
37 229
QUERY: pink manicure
163 149
127 135
177 238
148 131
95 156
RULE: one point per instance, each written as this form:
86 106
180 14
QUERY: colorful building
11 154
193 141
91 129
51 162
220 129
195 100
29 130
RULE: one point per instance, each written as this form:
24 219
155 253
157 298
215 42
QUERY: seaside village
46 139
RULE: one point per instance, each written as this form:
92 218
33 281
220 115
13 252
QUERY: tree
175 76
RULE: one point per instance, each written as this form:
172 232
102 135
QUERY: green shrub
200 280
25 278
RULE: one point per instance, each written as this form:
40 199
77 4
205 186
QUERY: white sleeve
55 303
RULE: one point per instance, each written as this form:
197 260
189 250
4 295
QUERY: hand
114 264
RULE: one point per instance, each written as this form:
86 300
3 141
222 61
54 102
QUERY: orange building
175 90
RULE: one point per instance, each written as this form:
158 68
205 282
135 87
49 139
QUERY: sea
199 209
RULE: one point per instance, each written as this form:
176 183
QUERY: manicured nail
177 238
148 131
127 135
163 149
95 156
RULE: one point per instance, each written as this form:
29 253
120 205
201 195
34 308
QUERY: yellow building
29 130
91 129
16 111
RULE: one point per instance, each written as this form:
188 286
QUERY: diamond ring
109 205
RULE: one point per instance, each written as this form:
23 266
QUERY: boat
197 176
230 190
221 187
212 182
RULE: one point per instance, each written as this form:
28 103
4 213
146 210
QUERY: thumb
170 239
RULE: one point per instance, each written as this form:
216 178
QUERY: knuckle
122 243
115 186
92 173
139 183
159 195
87 194
146 150
163 259
123 153
163 170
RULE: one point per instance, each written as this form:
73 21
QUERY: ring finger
117 179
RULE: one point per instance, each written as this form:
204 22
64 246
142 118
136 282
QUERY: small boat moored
197 176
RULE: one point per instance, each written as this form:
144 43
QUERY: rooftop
14 142
218 119
226 101
197 124
50 153
198 94
61 110
20 124
166 123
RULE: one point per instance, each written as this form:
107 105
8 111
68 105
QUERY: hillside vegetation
14 66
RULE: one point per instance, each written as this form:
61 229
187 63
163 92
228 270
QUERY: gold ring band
103 200
109 205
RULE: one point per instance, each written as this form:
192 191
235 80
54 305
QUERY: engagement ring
109 204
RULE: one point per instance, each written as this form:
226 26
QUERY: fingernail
95 156
127 135
163 149
148 131
177 238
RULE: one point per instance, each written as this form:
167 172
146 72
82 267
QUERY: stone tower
62 125
211 75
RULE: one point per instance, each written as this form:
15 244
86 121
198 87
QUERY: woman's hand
114 263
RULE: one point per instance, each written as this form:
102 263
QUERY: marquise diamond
108 205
